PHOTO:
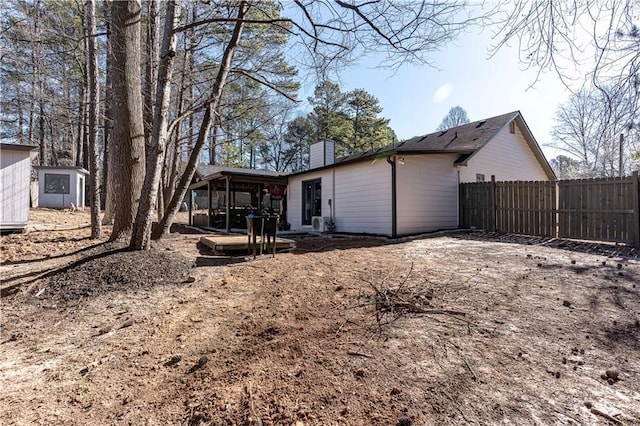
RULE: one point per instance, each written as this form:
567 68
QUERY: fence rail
590 209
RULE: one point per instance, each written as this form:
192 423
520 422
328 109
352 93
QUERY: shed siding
363 198
60 201
427 194
507 156
15 176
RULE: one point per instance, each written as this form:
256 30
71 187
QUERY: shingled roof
464 139
461 139
204 170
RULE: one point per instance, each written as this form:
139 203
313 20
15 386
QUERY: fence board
606 209
598 209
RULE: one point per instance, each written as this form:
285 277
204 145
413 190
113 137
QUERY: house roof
465 140
462 139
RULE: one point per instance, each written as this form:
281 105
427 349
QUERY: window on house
479 177
311 200
512 127
56 183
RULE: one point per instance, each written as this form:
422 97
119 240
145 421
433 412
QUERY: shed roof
62 168
17 147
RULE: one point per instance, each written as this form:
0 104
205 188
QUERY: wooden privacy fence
591 209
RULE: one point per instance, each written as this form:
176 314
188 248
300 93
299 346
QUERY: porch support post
209 218
190 203
635 194
227 189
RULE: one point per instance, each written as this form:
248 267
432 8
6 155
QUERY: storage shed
15 177
58 187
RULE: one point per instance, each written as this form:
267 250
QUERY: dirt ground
460 328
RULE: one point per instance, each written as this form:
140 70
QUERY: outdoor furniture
265 227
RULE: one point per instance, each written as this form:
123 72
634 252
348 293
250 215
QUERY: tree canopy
455 117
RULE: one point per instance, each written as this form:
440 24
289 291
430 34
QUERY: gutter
394 216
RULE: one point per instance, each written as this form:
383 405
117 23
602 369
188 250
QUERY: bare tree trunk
141 237
151 68
108 178
218 86
94 99
41 138
213 142
35 60
190 72
128 130
173 173
79 157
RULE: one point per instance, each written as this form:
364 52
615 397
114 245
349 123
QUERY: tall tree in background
94 106
349 119
566 167
551 36
42 77
368 130
300 133
455 117
128 127
211 109
141 238
329 114
588 128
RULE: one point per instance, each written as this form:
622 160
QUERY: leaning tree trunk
128 122
94 99
141 237
218 86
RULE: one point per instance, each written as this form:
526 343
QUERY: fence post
493 205
636 209
555 222
461 198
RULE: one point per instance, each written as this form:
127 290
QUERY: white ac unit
317 223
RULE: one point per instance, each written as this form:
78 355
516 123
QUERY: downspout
333 195
394 222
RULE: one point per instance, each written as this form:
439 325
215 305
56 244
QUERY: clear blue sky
417 98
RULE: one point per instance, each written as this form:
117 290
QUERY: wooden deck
225 243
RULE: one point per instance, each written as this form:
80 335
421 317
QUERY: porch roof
239 177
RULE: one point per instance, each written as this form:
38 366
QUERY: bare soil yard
463 328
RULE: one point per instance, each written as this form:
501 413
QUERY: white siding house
363 191
15 178
58 187
354 197
427 193
412 187
507 156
